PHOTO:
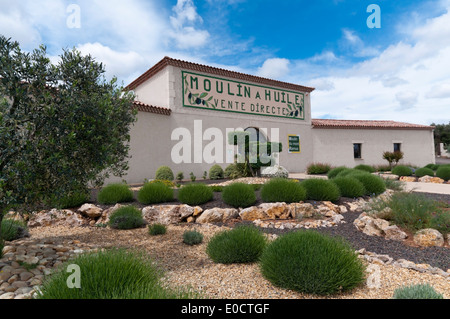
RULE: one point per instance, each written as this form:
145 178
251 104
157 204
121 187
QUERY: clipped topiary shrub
156 229
421 172
349 186
192 237
365 168
154 193
239 195
320 189
111 274
216 172
115 193
420 291
243 244
373 185
282 190
126 217
318 168
434 167
195 194
335 171
164 173
443 172
310 262
402 170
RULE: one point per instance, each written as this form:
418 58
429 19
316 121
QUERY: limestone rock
367 225
275 171
276 210
395 233
429 237
431 179
217 215
253 213
91 211
104 218
408 179
299 210
56 217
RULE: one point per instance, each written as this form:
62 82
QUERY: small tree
62 127
253 155
393 157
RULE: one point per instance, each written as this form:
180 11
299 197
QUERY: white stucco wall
335 146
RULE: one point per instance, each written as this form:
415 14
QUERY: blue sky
397 72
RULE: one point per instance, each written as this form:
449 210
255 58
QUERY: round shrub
157 229
239 195
349 186
126 217
318 168
421 172
243 244
351 172
443 172
335 171
154 193
402 170
321 189
434 167
110 274
216 172
115 193
164 173
365 168
310 262
282 190
374 185
195 194
192 237
13 229
420 291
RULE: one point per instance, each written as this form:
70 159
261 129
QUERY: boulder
395 233
253 213
367 225
56 217
90 211
104 218
408 179
276 210
275 171
300 210
431 179
428 237
217 215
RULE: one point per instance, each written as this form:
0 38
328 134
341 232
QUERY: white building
186 109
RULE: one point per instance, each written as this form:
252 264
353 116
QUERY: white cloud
274 68
407 99
439 91
353 42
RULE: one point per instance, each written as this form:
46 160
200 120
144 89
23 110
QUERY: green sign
207 92
294 143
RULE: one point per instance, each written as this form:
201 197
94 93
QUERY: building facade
186 110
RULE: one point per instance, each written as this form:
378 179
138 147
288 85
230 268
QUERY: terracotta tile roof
213 70
363 124
142 107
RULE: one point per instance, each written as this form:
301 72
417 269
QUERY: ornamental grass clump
243 244
321 189
13 229
282 190
195 194
365 168
115 193
374 185
313 263
318 168
239 195
126 217
419 291
154 193
335 171
110 274
402 170
156 229
192 237
349 186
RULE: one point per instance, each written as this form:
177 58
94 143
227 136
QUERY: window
397 147
357 150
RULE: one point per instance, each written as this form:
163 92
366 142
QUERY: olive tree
63 126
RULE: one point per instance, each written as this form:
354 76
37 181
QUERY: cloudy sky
400 71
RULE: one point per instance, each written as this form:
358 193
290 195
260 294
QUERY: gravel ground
189 266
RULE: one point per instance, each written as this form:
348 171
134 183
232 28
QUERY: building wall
335 146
